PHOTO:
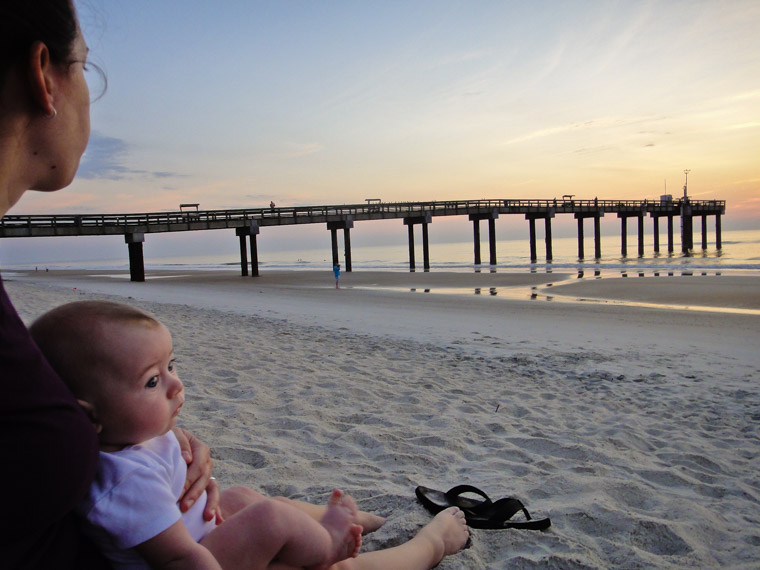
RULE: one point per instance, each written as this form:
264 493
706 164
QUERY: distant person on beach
336 272
50 447
271 205
119 362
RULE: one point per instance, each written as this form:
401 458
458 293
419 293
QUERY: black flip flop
497 515
485 514
436 501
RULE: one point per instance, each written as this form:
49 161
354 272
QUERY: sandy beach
627 410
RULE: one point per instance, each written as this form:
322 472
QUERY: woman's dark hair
23 22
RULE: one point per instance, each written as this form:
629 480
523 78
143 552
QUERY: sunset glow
233 104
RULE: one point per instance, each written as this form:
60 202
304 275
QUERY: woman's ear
41 80
89 409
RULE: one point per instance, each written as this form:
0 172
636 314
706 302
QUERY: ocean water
740 254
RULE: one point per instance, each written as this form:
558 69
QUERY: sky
233 103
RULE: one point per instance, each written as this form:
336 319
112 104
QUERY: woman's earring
52 115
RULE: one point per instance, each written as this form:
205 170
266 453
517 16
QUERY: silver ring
212 478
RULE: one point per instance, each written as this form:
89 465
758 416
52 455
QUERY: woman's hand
199 464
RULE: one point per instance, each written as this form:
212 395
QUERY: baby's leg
446 534
368 521
269 531
236 499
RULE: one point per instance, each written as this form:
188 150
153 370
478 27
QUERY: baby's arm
175 548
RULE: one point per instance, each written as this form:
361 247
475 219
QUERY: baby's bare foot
447 532
340 521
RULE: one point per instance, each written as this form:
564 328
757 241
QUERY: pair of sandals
485 514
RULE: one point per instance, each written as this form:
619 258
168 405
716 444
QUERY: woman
49 446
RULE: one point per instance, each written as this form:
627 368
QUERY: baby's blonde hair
72 339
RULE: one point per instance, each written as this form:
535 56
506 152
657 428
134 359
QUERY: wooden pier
248 222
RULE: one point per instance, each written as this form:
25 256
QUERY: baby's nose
176 388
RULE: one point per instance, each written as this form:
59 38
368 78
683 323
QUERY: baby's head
119 363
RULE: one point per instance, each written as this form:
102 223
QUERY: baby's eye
172 365
152 383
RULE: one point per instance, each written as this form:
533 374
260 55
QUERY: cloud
593 124
105 158
551 131
293 150
749 125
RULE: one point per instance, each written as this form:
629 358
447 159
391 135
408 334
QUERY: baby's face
141 396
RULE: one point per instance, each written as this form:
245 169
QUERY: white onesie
135 496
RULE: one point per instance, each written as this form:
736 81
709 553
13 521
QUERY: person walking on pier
336 271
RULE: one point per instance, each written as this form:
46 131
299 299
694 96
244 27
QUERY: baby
119 363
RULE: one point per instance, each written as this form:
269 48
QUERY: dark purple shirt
49 453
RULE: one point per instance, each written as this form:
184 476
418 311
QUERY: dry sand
634 428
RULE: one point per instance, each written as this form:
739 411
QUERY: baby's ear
89 409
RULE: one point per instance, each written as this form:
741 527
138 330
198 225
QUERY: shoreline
383 303
705 291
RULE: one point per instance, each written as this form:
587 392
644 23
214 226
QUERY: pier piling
425 248
243 256
347 246
425 219
254 255
624 232
546 216
345 224
598 236
134 243
687 227
475 219
623 236
492 240
597 215
548 236
250 230
476 239
656 233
